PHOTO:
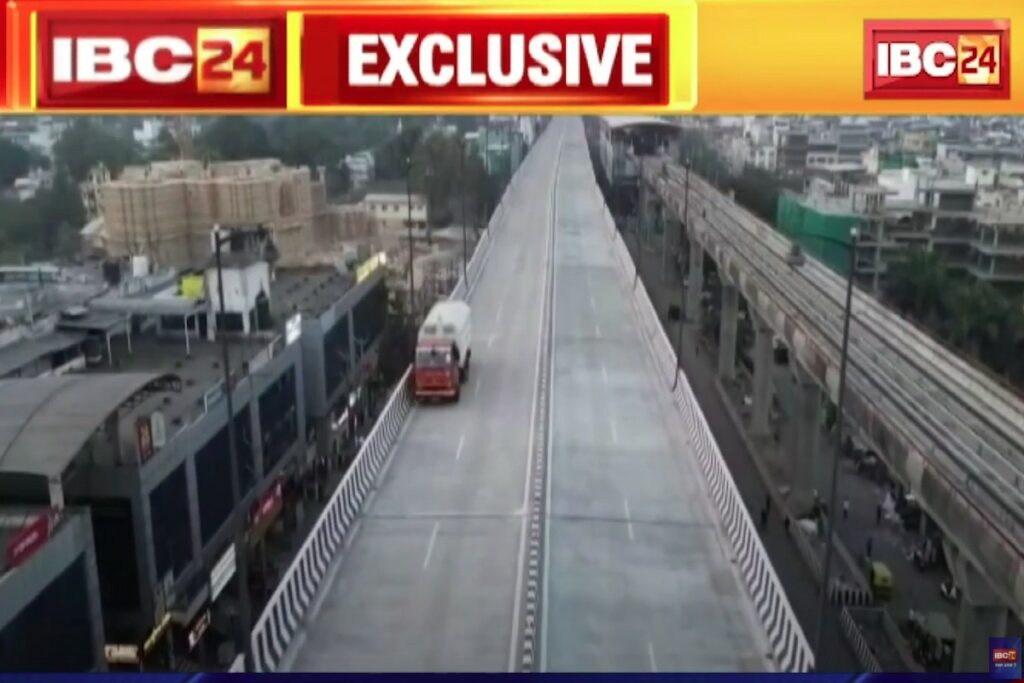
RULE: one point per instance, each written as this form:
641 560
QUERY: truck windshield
432 358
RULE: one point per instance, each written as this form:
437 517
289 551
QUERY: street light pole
833 486
462 181
244 621
682 285
408 224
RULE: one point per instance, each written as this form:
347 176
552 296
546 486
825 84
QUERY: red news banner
439 60
243 58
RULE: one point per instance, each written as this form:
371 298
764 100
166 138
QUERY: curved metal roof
44 422
617 122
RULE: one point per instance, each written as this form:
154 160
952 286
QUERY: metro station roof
44 422
618 122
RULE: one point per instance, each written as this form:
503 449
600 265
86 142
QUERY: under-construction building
165 210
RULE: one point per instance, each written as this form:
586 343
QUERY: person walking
768 502
764 518
846 508
785 523
867 546
878 514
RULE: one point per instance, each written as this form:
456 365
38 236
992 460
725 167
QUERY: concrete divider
789 647
286 610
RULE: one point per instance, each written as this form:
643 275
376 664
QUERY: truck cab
441 362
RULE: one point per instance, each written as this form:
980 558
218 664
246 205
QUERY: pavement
700 366
429 581
638 574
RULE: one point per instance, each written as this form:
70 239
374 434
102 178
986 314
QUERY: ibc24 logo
1004 658
137 62
937 59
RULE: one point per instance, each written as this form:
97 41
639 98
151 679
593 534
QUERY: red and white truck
442 357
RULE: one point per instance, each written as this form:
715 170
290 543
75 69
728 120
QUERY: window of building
336 355
279 421
114 538
369 316
54 631
213 475
169 521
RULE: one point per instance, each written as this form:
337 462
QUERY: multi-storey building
391 204
166 210
127 453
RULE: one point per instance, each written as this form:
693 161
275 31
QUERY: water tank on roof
140 266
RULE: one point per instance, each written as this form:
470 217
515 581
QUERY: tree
305 142
758 190
390 158
436 172
85 143
166 146
62 214
233 138
14 162
21 230
917 284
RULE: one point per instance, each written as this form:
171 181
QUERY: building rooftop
45 422
309 291
24 351
199 368
947 185
619 122
387 187
842 167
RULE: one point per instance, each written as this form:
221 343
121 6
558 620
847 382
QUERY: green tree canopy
86 143
45 226
233 138
15 161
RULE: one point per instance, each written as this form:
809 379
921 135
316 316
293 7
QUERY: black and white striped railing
844 593
865 655
789 647
287 607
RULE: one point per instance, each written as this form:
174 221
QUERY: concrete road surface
638 577
429 582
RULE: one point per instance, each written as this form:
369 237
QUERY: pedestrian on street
768 502
764 518
878 514
846 508
867 547
785 523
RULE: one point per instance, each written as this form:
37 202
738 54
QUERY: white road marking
462 442
546 554
629 521
650 657
615 431
513 649
430 546
497 316
490 340
604 373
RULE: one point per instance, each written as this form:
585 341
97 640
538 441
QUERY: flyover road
638 574
429 581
